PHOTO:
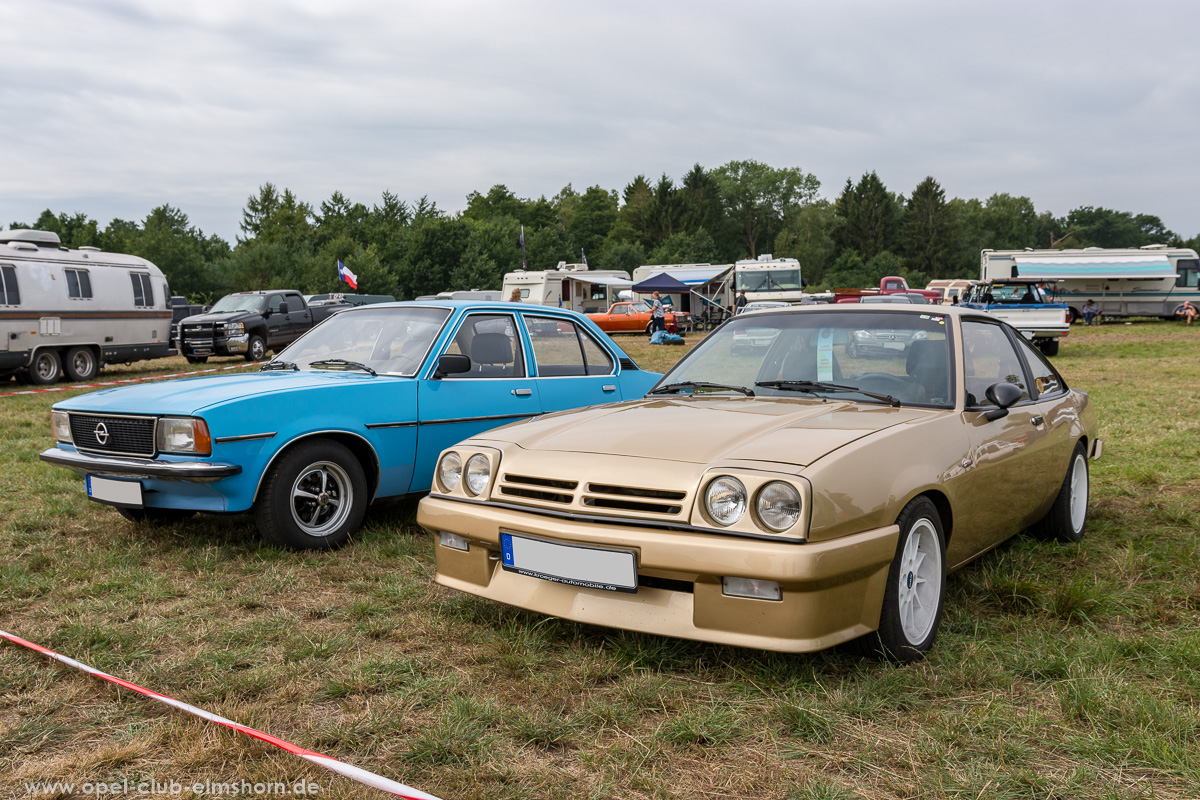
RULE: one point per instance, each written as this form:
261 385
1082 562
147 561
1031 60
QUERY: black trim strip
248 437
478 419
631 523
376 425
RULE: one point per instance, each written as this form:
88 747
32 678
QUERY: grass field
1062 671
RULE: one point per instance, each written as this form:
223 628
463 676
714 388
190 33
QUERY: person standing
740 302
657 315
515 297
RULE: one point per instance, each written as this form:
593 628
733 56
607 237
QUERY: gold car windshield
869 357
389 340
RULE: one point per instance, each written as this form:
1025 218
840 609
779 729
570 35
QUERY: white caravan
69 311
573 286
769 278
1146 281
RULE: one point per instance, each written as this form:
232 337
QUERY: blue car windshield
896 354
390 341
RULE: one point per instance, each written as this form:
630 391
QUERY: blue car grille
130 436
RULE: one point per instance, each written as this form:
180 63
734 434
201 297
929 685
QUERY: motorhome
769 278
573 286
1150 281
68 312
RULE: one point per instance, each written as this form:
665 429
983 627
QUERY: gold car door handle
522 392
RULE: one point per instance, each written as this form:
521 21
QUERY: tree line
739 210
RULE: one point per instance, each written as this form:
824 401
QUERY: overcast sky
113 108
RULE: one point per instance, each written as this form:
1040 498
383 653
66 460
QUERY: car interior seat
493 354
927 363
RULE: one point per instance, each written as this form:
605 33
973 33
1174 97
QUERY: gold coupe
809 484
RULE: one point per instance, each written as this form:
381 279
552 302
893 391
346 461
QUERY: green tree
685 248
807 237
635 212
867 217
757 196
278 218
594 216
182 252
1104 227
928 233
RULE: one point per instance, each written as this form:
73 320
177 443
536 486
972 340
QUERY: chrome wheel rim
82 363
46 368
920 581
257 349
321 498
1079 492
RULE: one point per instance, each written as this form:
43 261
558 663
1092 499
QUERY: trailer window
143 292
10 295
79 284
1189 272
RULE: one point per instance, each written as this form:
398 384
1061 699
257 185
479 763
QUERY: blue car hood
189 396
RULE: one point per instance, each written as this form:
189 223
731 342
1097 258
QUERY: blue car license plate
114 492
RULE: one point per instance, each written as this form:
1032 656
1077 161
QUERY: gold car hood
703 430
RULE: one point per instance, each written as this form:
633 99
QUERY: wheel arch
942 504
368 459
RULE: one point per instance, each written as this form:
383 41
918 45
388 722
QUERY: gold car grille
631 499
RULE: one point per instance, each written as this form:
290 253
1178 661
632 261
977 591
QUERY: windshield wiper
343 363
675 387
819 386
273 365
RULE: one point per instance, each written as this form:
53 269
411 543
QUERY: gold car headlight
60 425
449 471
479 473
778 506
725 500
184 435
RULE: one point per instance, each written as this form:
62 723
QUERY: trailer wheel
45 369
81 364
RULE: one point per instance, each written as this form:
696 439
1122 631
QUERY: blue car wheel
314 497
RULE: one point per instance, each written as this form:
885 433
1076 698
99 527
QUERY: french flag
346 275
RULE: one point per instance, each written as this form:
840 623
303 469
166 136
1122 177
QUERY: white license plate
121 493
893 345
575 565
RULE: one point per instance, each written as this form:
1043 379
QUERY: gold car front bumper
832 591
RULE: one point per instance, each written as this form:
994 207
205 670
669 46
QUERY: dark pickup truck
250 324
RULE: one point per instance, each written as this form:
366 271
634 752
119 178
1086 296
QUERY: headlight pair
776 505
478 473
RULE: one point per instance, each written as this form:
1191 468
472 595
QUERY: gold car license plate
580 565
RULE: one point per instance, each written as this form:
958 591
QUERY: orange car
631 317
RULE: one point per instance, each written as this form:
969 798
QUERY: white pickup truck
1022 303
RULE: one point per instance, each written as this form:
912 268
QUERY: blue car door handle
522 392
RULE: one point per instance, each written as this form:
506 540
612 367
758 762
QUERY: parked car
250 324
354 411
788 500
632 317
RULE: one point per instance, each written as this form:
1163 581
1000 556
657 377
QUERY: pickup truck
250 324
892 284
1022 303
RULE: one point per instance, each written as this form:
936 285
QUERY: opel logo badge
101 433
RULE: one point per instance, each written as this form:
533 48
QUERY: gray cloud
112 108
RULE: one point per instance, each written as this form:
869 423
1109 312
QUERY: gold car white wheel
1079 493
1067 516
919 589
916 587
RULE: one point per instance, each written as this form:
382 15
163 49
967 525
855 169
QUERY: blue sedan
356 410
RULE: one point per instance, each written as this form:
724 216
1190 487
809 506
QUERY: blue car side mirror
451 364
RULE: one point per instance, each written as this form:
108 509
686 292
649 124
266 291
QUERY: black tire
155 516
649 328
257 349
81 364
314 497
1049 347
1067 518
909 619
45 369
197 359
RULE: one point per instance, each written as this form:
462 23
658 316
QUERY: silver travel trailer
68 312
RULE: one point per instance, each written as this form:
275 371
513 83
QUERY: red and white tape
332 764
71 386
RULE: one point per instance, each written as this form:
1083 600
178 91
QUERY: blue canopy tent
665 283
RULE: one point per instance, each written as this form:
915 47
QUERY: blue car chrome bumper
199 471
